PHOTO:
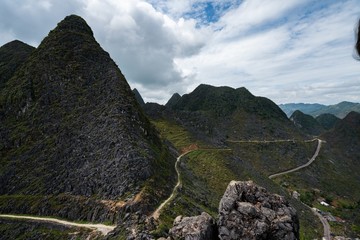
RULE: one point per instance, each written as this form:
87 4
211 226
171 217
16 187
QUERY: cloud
289 51
145 42
30 20
282 51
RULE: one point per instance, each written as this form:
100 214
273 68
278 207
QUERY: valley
82 155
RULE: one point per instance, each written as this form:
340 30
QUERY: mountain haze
340 110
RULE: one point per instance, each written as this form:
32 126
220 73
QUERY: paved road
302 166
325 223
104 229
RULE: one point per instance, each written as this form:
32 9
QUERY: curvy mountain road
322 219
104 229
327 232
156 214
302 166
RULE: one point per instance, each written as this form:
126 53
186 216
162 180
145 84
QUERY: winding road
104 229
324 222
327 232
156 213
302 166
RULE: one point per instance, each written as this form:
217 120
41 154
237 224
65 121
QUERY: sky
285 50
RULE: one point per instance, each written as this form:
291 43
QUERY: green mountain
12 56
327 120
340 110
334 176
306 123
225 113
76 144
307 108
227 130
74 141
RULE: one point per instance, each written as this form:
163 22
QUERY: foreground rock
200 227
247 211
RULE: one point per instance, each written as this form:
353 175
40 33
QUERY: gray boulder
247 211
200 227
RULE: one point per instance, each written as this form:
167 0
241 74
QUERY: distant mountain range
340 110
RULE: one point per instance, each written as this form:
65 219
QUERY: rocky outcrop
200 227
247 211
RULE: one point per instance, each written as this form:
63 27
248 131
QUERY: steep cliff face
70 124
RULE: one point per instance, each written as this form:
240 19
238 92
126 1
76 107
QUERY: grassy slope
334 181
206 173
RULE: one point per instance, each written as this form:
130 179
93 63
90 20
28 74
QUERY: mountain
173 100
74 141
346 133
334 176
340 110
138 97
12 56
327 120
306 123
231 134
306 108
228 113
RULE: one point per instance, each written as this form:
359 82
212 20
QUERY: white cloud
289 51
283 54
144 42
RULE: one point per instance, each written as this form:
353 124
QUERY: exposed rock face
69 123
200 227
248 211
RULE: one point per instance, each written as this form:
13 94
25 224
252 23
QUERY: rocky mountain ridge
72 132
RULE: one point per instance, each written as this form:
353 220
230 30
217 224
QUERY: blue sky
286 50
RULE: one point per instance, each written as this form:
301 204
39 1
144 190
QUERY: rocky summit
70 127
248 211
